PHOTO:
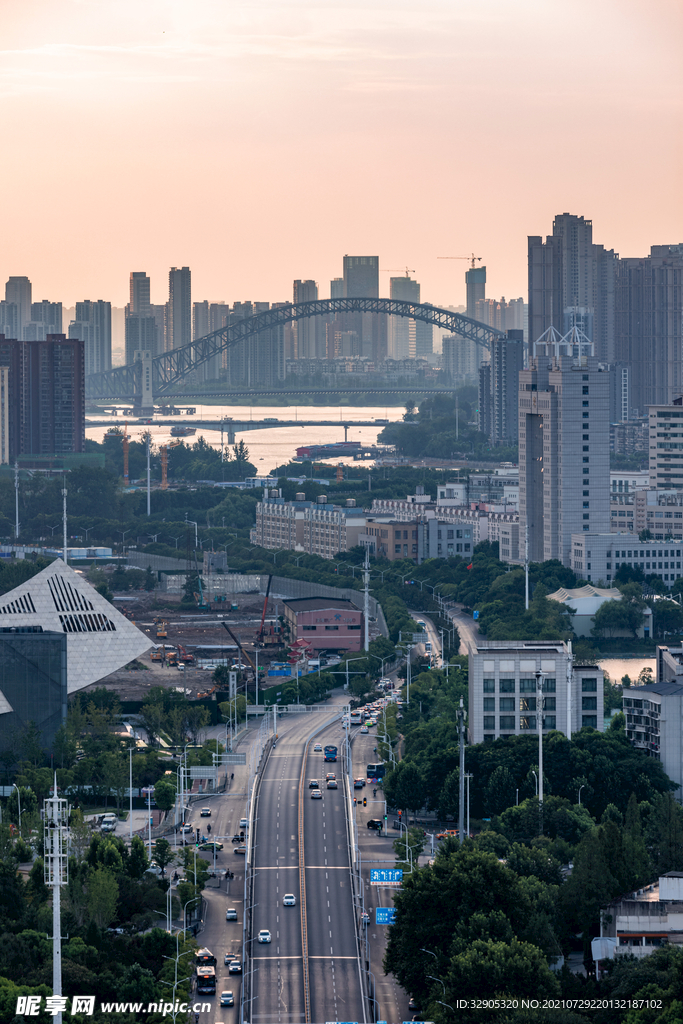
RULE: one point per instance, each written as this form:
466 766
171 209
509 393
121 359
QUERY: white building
647 918
585 602
99 639
666 445
597 556
503 690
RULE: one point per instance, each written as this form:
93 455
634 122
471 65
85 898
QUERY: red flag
470 565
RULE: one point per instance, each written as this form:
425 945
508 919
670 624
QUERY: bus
376 771
355 718
205 958
330 753
206 980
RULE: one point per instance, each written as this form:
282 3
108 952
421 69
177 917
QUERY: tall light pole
56 817
539 717
462 715
16 500
14 786
366 599
130 792
149 478
64 523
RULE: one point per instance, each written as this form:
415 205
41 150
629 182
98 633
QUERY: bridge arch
171 367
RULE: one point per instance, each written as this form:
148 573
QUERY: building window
527 686
506 703
549 685
489 722
527 722
549 704
589 721
507 721
397 549
589 703
549 722
589 685
527 703
489 704
310 629
332 628
506 686
489 686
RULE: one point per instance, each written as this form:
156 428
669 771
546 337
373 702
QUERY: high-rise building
619 392
665 428
9 319
361 277
140 301
46 318
141 335
179 323
46 395
563 452
337 288
306 332
361 280
648 298
4 414
18 292
500 376
402 342
475 284
92 324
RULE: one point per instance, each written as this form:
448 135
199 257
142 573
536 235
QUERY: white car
364 728
289 900
318 748
264 935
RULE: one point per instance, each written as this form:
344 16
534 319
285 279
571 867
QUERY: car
243 822
318 748
238 839
364 729
240 849
313 784
332 784
358 783
365 919
187 828
264 935
235 967
231 914
227 998
330 776
211 846
447 832
316 795
412 1003
376 824
227 959
205 812
289 900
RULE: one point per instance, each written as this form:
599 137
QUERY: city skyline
493 95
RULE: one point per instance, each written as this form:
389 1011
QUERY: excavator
246 656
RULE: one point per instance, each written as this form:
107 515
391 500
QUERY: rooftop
588 591
313 604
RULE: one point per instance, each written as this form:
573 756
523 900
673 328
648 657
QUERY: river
270 447
618 667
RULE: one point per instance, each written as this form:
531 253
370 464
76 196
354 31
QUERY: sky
259 142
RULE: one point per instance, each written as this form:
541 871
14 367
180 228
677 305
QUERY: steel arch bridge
169 369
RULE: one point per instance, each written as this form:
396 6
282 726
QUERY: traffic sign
386 876
475 615
385 915
420 638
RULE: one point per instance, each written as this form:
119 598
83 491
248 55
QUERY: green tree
511 968
137 862
500 792
153 720
103 892
405 786
164 794
164 854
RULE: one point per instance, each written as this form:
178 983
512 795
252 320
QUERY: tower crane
395 270
471 257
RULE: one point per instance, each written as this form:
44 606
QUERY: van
428 646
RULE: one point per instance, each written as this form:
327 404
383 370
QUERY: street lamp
14 786
191 522
583 786
539 716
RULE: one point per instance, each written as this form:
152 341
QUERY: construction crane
395 270
253 666
259 635
471 257
164 462
125 442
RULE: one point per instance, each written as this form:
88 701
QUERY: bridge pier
346 431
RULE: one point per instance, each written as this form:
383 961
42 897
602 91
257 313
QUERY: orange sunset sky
258 142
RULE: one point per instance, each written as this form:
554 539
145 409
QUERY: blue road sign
475 615
386 876
385 915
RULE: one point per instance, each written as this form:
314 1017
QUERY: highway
291 828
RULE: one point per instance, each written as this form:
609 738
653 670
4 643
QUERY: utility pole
366 600
526 567
64 523
539 718
16 500
462 715
56 817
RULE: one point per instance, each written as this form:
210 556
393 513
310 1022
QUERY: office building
18 293
361 277
475 286
654 715
503 694
140 301
638 923
665 445
33 682
144 400
99 639
596 557
305 332
179 320
361 280
4 415
53 396
337 288
648 298
563 450
327 623
499 387
92 324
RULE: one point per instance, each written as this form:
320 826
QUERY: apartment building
665 443
316 528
